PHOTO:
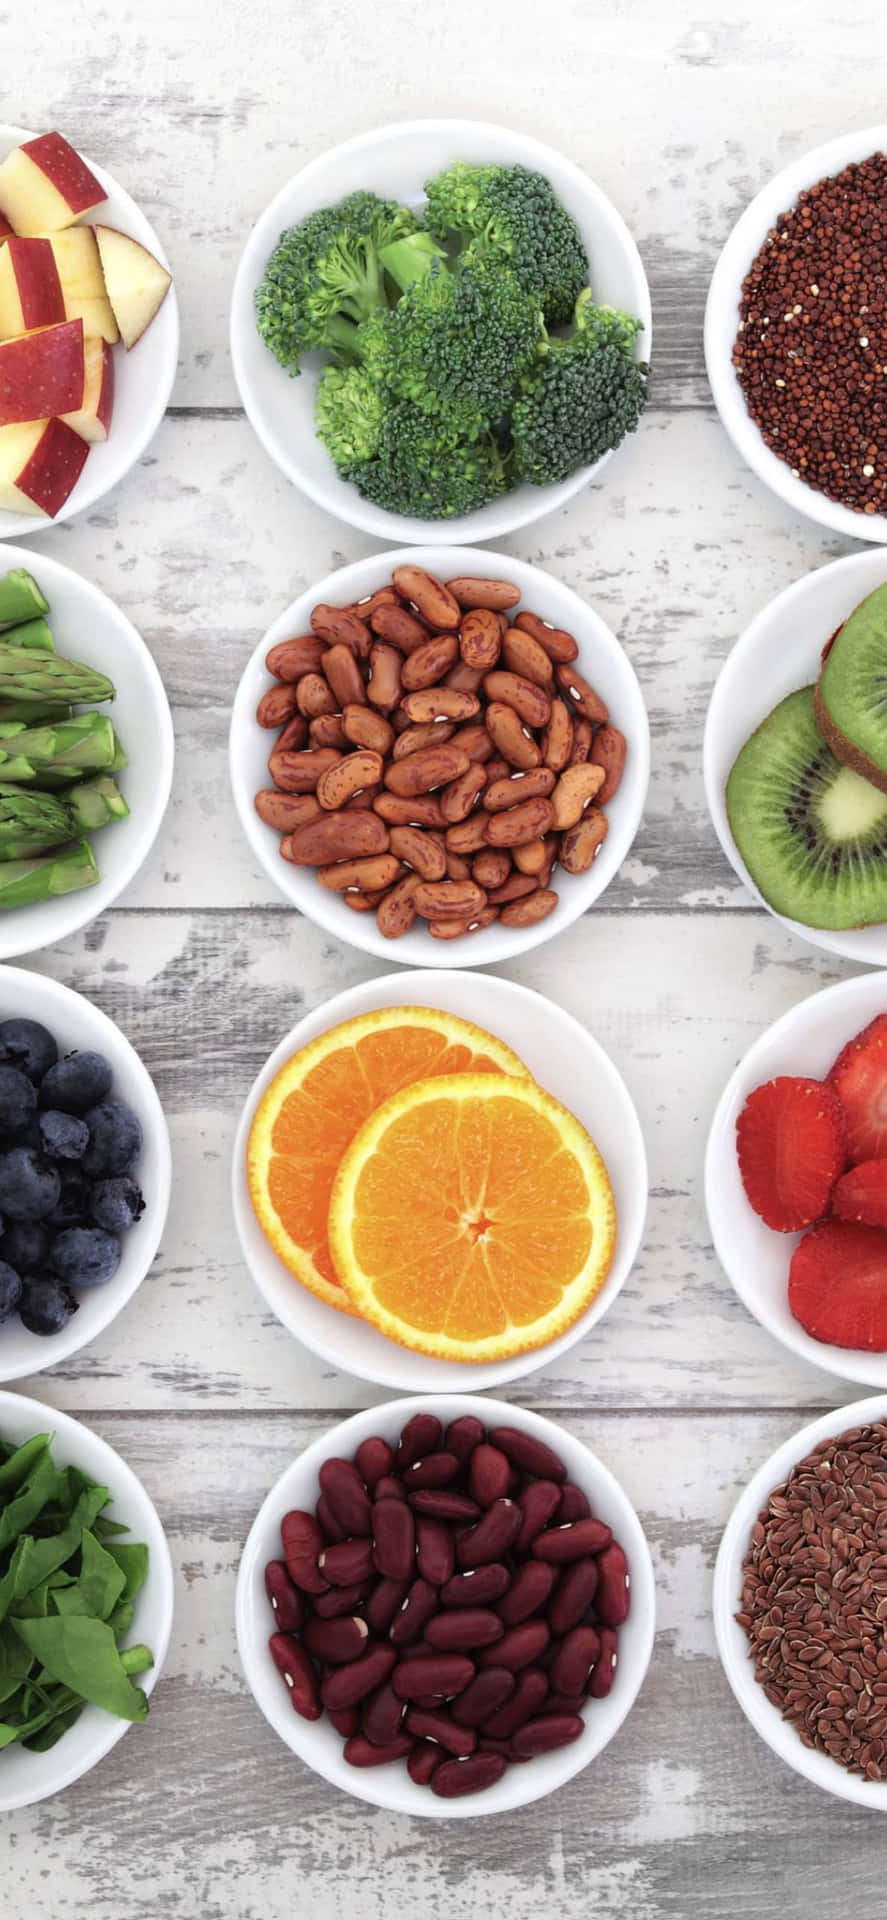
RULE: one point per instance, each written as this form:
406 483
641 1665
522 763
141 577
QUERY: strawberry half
791 1143
859 1078
837 1285
861 1194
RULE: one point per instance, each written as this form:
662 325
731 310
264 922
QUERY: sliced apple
40 463
135 282
92 421
42 373
79 268
5 227
30 288
45 185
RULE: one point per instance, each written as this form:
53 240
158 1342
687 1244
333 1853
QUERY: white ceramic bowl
76 1023
143 378
722 320
27 1777
87 626
316 1741
731 1638
779 652
805 1041
396 161
565 1059
602 661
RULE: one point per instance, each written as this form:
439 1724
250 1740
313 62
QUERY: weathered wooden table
202 112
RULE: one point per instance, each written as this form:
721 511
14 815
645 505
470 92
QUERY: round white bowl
807 1040
733 1645
602 661
76 1023
28 1777
316 1741
565 1059
396 161
143 378
779 652
87 626
722 321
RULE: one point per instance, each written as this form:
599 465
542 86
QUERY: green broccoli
348 416
513 216
425 468
455 344
325 276
582 396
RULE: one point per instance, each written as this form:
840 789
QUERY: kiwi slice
812 833
851 697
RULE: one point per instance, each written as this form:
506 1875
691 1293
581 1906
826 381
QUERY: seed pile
814 1599
811 351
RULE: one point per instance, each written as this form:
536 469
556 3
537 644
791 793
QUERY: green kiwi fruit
812 833
851 696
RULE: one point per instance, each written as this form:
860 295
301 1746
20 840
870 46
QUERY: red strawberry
837 1285
861 1194
859 1078
790 1138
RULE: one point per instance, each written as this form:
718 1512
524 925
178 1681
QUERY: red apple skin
38 283
41 373
65 170
5 228
105 406
54 468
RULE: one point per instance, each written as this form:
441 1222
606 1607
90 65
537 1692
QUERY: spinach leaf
18 1464
15 1662
121 1619
32 1496
82 1653
59 1547
98 1586
133 1562
16 1580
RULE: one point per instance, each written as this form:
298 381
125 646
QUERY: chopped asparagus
34 635
34 716
120 759
32 823
20 598
40 677
94 803
24 883
55 755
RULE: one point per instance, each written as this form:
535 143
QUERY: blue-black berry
28 1045
64 1136
29 1186
25 1245
76 1083
115 1137
10 1289
116 1204
45 1306
85 1256
18 1100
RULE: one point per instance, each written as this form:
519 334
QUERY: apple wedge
42 373
135 282
93 419
45 185
30 288
5 227
40 463
76 257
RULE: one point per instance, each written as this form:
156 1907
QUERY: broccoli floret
426 468
325 276
349 414
583 395
455 343
514 216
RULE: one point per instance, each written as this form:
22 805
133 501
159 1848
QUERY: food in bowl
438 755
451 1601
452 376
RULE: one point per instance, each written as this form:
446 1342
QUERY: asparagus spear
20 598
23 883
35 635
94 803
32 823
40 677
55 755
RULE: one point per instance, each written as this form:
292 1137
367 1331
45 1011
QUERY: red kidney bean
538 1503
573 1504
613 1598
489 1475
422 1434
434 1470
384 1602
423 1762
329 1526
346 1562
484 1695
440 1504
564 1703
571 1542
524 1450
571 1667
528 1592
346 1721
455 1777
605 1667
394 1539
493 1535
428 1725
432 1673
373 1458
389 1489
338 1600
530 1691
337 1641
382 1715
463 1628
573 1595
360 1752
520 1647
345 1686
435 1550
487 1745
346 1495
300 1676
302 1543
286 1600
549 1731
463 1435
476 1588
410 1622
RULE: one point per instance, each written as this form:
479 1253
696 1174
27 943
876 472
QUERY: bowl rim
721 318
370 1785
494 520
121 1479
819 1768
28 523
494 944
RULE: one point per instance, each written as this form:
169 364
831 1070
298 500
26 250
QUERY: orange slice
472 1217
318 1101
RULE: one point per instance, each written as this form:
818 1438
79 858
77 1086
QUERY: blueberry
25 1044
10 1290
72 1207
25 1245
18 1100
115 1137
45 1306
29 1186
76 1083
64 1135
117 1204
85 1256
